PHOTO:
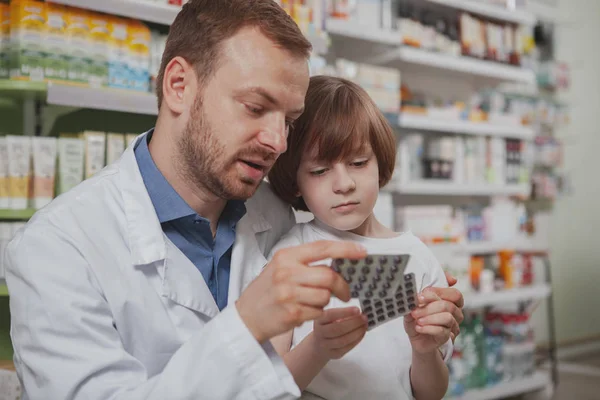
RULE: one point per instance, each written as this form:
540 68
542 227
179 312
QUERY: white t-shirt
379 367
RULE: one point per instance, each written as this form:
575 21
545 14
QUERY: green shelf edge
22 89
16 215
3 290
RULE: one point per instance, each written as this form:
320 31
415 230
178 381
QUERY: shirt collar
167 202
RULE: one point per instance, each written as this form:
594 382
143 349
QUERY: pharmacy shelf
102 99
80 96
535 292
538 381
345 28
144 10
487 10
486 247
422 122
16 215
22 89
460 64
448 188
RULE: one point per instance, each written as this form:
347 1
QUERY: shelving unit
449 188
538 381
352 30
423 122
490 11
16 215
535 292
461 65
146 11
102 99
486 247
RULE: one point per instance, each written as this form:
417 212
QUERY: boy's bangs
340 132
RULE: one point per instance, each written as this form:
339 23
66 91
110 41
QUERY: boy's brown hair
202 25
339 119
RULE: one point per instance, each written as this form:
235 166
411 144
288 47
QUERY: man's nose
274 135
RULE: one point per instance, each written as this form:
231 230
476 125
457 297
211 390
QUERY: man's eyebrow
263 93
271 99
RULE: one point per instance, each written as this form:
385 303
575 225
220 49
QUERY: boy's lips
346 206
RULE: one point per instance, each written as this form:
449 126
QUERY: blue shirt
189 231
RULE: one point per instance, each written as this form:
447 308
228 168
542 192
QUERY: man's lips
257 164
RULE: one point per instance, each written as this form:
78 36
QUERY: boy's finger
427 297
449 294
350 337
335 314
441 319
451 279
438 332
434 308
338 329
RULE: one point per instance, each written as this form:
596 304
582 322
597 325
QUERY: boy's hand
338 331
429 326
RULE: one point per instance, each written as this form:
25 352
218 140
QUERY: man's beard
203 163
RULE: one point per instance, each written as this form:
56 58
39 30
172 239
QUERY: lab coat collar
146 239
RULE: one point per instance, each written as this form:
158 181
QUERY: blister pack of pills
379 282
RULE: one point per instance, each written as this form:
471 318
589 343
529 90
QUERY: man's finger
449 294
323 249
335 314
307 313
308 296
318 277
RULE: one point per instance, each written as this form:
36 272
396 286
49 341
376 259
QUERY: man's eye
254 109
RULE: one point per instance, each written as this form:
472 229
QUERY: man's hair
339 120
202 25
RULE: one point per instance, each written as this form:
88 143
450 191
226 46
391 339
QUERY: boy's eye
318 172
360 163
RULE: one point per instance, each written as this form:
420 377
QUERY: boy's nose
344 182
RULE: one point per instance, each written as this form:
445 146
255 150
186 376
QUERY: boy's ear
298 194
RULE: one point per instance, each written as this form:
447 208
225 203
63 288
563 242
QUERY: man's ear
180 85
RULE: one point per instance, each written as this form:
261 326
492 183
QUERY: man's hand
433 327
288 292
338 331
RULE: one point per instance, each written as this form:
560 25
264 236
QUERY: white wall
575 233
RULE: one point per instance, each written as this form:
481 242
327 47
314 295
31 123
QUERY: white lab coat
104 306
